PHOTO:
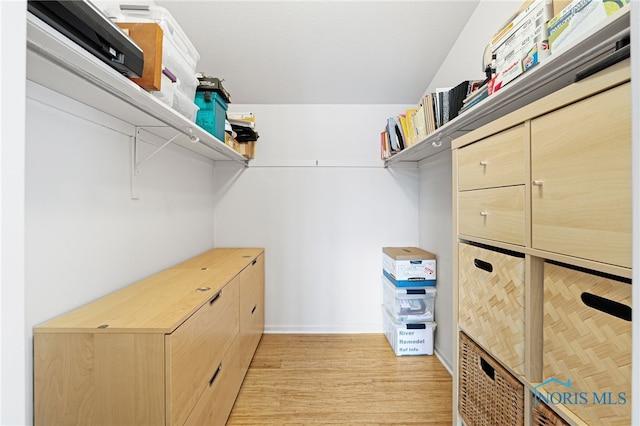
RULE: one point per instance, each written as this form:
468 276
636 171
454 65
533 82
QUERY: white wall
462 63
85 236
323 227
13 353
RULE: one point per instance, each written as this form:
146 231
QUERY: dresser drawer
496 214
251 309
195 349
491 302
216 402
587 339
495 161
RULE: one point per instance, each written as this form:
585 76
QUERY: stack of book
435 110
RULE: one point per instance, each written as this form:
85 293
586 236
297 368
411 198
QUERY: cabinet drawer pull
481 264
254 308
215 297
537 182
488 369
607 306
254 262
215 374
484 163
483 213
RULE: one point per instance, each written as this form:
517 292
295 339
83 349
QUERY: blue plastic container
212 113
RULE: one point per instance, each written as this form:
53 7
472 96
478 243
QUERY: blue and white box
409 266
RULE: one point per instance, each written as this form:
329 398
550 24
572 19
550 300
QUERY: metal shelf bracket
137 161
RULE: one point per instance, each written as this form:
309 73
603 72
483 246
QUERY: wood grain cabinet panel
251 309
496 214
163 351
495 161
581 174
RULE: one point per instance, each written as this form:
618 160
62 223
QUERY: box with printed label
408 303
523 47
414 338
409 266
577 19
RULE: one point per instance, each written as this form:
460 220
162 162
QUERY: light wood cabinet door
496 214
495 161
196 348
581 179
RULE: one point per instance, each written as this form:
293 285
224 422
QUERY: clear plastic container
144 12
415 338
409 303
167 90
185 106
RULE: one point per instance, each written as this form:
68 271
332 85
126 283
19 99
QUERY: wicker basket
487 393
542 415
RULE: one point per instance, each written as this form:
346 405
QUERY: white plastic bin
409 303
408 338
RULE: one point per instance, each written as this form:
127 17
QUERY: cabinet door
251 310
581 172
196 348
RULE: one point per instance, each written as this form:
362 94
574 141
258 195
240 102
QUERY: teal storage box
212 113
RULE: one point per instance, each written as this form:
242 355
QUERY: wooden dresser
542 241
172 349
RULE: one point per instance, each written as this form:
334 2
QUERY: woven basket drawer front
586 345
496 214
488 394
542 415
491 302
495 161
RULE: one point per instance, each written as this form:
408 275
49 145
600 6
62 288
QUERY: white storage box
408 338
178 53
408 303
167 90
185 106
409 266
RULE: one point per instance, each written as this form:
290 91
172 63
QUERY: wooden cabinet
581 175
560 197
167 350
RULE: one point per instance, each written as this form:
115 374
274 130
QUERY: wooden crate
487 393
491 302
585 344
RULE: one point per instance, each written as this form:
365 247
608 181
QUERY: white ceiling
322 52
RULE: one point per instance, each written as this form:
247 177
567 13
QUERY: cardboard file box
409 266
408 338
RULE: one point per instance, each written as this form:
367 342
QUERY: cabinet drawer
587 339
251 309
216 402
491 302
195 349
495 161
581 166
496 214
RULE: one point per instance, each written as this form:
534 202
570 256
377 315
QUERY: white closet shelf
552 74
56 62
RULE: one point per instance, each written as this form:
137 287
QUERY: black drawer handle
488 369
607 306
215 374
254 308
215 297
481 264
254 262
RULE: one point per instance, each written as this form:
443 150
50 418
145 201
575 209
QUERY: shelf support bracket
136 161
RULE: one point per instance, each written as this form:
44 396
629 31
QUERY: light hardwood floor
352 379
